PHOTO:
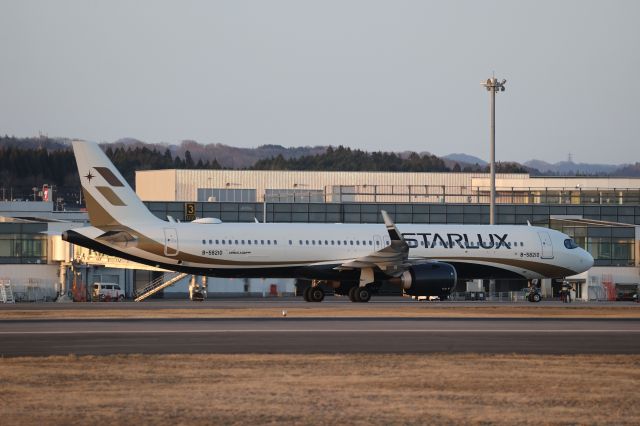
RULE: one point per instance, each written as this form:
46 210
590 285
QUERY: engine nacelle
429 279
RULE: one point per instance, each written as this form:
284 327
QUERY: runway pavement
287 302
319 335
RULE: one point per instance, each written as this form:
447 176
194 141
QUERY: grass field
418 310
320 389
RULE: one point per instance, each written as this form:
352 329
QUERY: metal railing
163 281
477 195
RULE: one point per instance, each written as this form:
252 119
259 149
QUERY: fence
506 296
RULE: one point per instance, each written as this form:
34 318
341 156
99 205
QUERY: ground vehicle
107 292
532 294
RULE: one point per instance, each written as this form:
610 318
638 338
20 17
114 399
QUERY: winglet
394 234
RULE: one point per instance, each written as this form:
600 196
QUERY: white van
107 292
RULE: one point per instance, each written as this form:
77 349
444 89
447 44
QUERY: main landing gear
359 294
313 294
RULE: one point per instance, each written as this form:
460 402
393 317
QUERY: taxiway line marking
310 331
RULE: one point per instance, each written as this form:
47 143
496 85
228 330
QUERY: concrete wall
32 282
596 279
156 185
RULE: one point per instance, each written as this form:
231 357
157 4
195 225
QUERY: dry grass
320 389
423 310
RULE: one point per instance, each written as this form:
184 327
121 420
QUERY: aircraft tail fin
109 198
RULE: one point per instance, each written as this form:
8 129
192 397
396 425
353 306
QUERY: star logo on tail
89 176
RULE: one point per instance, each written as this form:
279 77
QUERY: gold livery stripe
108 175
110 195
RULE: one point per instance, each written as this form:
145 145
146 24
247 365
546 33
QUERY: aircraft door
170 242
386 241
547 247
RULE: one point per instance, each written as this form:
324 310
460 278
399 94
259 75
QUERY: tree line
32 162
346 159
21 169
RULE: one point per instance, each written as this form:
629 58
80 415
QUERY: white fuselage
219 249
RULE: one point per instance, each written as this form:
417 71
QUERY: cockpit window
570 244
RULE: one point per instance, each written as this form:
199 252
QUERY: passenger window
350 242
326 243
333 243
268 242
307 242
242 241
222 242
313 242
290 242
319 242
236 242
357 242
377 243
217 241
204 242
262 242
210 242
338 242
249 242
300 242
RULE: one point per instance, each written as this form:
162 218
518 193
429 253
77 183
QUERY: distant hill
631 170
229 157
192 153
464 158
569 168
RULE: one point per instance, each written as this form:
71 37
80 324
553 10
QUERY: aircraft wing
392 259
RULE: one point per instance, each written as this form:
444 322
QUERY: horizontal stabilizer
121 238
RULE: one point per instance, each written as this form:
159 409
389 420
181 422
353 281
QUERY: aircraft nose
589 258
586 260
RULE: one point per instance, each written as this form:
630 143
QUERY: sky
376 75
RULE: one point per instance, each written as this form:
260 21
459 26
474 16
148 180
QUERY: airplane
354 259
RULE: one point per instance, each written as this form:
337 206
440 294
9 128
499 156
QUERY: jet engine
428 279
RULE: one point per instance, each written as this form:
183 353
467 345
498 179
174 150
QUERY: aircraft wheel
305 294
352 294
536 298
363 294
316 294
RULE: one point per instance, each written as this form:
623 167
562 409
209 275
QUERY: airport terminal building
601 214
